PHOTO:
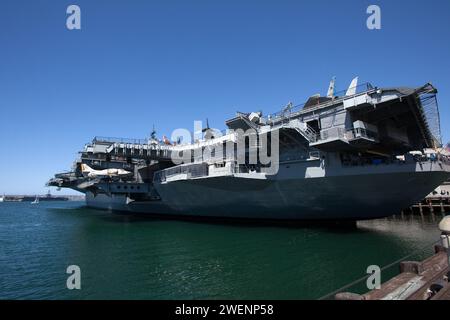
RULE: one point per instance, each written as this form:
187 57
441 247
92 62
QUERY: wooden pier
430 205
424 280
418 280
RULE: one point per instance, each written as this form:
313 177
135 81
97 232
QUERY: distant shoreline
23 197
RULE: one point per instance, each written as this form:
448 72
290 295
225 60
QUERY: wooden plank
411 286
404 291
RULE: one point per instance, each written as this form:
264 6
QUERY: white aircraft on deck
105 173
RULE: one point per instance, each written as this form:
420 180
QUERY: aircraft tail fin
330 93
352 87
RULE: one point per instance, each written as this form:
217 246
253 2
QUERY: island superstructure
364 153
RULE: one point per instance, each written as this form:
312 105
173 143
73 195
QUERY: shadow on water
349 226
333 227
336 227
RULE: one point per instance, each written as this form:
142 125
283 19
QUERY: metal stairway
304 129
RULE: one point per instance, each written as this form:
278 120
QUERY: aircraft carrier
364 153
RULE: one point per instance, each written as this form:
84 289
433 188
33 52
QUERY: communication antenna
207 126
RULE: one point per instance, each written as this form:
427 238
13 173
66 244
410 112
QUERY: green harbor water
135 257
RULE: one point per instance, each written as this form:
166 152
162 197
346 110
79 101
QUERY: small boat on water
2 198
36 201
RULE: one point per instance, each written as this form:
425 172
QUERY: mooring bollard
444 226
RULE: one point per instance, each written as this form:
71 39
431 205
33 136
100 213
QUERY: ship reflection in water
136 257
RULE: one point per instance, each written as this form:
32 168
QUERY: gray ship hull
355 197
362 155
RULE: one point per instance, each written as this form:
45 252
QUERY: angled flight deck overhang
398 118
415 111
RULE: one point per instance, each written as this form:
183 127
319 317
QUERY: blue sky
168 63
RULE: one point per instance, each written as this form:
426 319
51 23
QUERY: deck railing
289 111
99 139
332 133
